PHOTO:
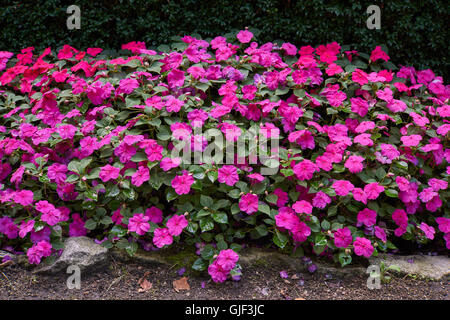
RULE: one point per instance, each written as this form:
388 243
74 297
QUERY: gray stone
425 267
80 251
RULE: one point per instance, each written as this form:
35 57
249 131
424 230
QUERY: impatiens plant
343 153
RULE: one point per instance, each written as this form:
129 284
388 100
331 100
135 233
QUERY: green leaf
199 265
90 224
220 217
206 224
391 193
280 239
206 201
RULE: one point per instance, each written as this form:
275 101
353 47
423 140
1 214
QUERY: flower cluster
87 147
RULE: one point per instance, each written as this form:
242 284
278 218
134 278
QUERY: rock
80 251
426 267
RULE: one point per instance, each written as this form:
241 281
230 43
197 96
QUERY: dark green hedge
415 32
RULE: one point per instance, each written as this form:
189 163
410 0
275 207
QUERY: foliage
415 32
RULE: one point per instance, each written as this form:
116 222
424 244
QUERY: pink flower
343 238
249 203
26 227
389 151
363 247
23 197
373 190
443 224
140 176
380 234
302 206
217 273
139 224
127 86
367 217
354 164
321 199
343 187
286 218
176 224
162 237
411 141
125 152
175 78
109 172
228 175
300 232
304 138
38 251
244 36
428 230
282 197
57 173
378 53
364 139
359 106
400 218
182 184
155 214
76 228
305 169
168 163
67 131
359 195
51 217
227 259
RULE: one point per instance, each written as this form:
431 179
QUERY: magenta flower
176 224
343 238
244 36
343 187
411 141
228 175
23 197
76 228
354 164
321 200
249 203
363 247
175 78
109 172
139 224
302 206
155 214
162 237
227 259
182 184
168 163
217 273
140 176
428 230
305 169
373 190
367 217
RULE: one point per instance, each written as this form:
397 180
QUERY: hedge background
415 32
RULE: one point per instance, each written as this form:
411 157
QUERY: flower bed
336 152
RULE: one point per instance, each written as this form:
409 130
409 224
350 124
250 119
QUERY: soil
121 280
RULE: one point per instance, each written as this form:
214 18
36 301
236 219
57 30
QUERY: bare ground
121 281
